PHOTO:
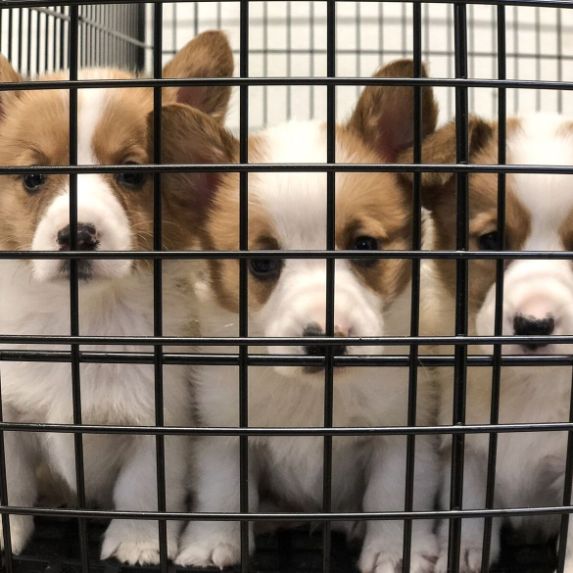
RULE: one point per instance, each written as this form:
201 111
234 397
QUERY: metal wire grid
288 38
36 39
461 85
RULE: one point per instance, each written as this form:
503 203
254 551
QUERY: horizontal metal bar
282 431
284 516
280 254
286 81
276 341
288 168
214 359
535 3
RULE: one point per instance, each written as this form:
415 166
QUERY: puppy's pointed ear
440 148
208 55
384 115
7 75
188 137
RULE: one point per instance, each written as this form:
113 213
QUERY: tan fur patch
35 131
375 205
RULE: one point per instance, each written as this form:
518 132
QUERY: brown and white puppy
287 211
537 300
114 212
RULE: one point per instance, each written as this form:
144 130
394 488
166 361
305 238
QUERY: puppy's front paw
136 542
375 558
470 560
212 545
21 529
210 553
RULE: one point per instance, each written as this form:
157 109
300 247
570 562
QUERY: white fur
97 203
98 206
530 466
368 472
120 471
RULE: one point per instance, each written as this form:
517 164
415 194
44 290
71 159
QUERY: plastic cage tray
55 549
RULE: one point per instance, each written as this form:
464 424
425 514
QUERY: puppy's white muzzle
297 307
102 225
538 301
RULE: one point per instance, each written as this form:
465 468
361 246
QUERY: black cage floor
55 549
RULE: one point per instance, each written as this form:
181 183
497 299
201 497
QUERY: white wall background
288 38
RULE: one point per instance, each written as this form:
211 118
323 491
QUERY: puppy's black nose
86 238
531 326
320 349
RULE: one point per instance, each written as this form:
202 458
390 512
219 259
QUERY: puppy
114 212
287 298
537 300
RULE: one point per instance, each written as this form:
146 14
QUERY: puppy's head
537 294
114 211
288 211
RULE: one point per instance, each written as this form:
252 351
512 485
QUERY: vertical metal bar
107 36
537 56
312 56
516 51
56 23
97 32
461 302
472 52
74 285
174 27
404 28
20 36
4 498
63 34
381 21
559 24
196 18
330 278
243 281
289 56
46 43
10 32
494 66
38 36
357 39
29 43
82 37
158 283
141 35
500 265
265 62
415 294
564 528
426 51
2 30
449 51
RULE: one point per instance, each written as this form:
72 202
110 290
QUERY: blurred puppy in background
537 301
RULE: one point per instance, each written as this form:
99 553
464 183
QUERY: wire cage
295 60
36 39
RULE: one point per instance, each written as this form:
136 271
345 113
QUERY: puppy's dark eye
489 241
265 269
365 243
130 179
33 182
